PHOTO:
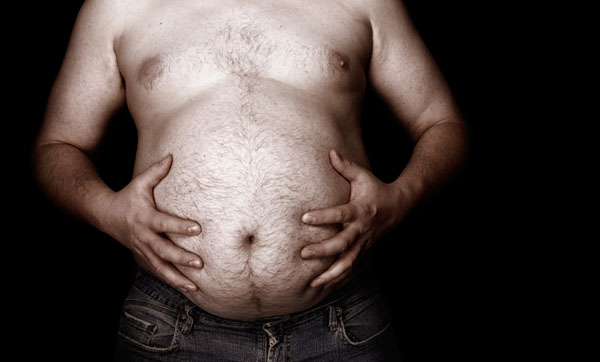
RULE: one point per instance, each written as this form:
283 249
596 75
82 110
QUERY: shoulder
379 10
391 24
108 19
100 16
103 9
111 15
389 20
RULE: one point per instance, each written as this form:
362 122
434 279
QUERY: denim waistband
361 287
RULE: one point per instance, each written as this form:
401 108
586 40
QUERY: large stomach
247 172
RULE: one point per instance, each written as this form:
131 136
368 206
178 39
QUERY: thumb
155 173
348 169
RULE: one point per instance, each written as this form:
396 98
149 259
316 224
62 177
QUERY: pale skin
400 70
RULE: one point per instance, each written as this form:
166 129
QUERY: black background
457 273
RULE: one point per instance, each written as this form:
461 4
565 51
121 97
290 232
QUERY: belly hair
267 271
252 225
248 183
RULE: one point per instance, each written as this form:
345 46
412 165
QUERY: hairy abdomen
246 171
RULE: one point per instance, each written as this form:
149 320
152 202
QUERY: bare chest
172 49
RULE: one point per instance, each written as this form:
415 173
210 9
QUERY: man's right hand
136 223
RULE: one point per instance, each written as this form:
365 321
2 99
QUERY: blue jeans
158 323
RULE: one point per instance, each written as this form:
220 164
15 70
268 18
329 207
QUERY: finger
167 272
166 223
333 215
155 173
335 245
339 268
348 169
337 280
172 253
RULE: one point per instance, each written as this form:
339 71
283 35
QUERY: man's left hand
374 208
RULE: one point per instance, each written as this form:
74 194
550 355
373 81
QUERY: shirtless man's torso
249 101
248 97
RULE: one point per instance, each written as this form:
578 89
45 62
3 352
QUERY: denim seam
158 297
215 321
139 324
157 350
287 339
154 305
348 337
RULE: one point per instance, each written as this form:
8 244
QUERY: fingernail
316 282
194 229
196 263
164 160
308 219
190 288
336 154
308 253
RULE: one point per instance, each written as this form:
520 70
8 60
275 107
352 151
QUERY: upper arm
403 72
88 89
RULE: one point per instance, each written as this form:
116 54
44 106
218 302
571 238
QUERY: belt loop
333 322
188 321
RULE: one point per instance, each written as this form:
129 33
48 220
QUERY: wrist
102 210
404 196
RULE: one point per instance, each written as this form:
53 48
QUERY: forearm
70 179
437 155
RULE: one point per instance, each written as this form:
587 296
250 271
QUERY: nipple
339 61
150 71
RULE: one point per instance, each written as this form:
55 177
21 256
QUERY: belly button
247 237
